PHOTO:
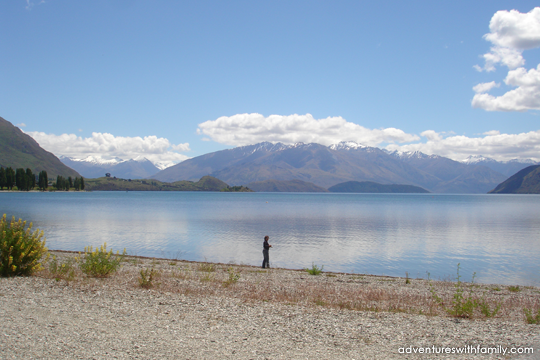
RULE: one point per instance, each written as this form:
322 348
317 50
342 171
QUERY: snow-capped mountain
96 166
411 155
507 168
329 165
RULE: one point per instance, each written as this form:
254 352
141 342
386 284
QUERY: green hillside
18 150
206 183
373 187
526 181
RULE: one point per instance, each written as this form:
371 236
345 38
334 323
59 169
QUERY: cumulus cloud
21 125
108 146
493 144
526 95
511 33
485 87
245 129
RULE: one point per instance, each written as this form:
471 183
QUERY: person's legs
265 259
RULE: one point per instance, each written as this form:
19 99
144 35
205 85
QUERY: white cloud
526 95
245 129
512 29
511 33
493 144
21 125
485 87
108 146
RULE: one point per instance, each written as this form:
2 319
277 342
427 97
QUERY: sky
170 80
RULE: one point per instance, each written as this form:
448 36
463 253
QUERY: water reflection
495 236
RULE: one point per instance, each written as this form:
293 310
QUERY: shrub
147 278
315 270
100 263
64 270
514 288
20 249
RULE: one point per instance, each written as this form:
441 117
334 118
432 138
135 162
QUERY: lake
496 236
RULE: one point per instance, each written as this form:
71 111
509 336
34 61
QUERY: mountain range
326 166
19 150
95 167
278 166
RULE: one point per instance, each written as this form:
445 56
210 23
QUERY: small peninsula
206 183
373 187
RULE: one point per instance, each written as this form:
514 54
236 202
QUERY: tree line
26 180
68 183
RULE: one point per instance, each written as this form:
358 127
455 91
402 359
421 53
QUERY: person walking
266 256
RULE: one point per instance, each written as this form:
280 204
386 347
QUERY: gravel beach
227 311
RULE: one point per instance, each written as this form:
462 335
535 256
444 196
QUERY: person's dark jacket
266 245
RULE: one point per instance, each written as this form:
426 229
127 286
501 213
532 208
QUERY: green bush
100 262
20 249
147 278
315 270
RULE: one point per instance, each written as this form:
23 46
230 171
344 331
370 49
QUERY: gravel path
42 318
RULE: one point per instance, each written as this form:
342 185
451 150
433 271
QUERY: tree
82 183
59 182
30 180
3 179
43 180
77 184
20 179
10 178
70 181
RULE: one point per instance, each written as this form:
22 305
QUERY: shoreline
195 310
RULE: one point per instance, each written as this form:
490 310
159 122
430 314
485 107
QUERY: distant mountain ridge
19 150
507 168
326 166
95 167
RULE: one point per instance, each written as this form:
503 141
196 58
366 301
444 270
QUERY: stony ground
203 311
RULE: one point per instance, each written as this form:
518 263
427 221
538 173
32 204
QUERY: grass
531 318
514 288
207 267
234 276
62 270
339 291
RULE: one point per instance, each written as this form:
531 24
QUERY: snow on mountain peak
346 145
411 154
474 159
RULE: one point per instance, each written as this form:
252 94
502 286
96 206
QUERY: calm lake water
496 236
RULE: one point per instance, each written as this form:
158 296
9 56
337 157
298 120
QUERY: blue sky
176 79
